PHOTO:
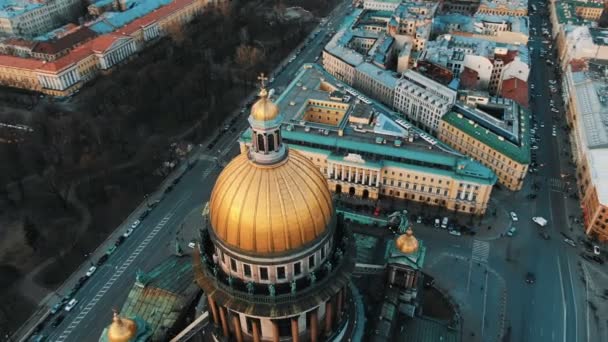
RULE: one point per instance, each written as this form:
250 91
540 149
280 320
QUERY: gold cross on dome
263 80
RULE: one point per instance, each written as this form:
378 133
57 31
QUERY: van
444 223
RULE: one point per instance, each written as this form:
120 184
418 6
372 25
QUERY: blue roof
111 21
13 8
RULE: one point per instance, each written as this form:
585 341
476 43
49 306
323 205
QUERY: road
155 237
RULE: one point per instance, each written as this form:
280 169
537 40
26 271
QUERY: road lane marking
573 301
118 273
561 283
485 301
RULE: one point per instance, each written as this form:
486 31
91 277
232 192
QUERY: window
297 268
233 264
263 273
311 261
323 253
247 270
281 272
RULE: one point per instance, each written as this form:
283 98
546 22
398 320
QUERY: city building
481 64
517 8
493 131
422 100
29 18
362 52
62 63
276 259
576 13
581 42
585 87
366 150
381 5
162 296
501 29
467 7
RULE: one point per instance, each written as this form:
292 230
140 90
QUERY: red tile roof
102 43
578 65
20 62
516 90
66 42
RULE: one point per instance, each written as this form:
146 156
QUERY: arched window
271 143
261 146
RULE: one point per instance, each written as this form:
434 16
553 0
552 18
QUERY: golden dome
407 243
270 208
121 329
264 109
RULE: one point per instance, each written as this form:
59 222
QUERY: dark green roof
421 329
520 154
166 291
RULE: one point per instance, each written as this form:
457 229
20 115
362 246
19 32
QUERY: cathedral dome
268 209
121 329
264 109
407 243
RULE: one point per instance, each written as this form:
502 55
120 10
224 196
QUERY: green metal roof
165 292
520 154
472 171
422 329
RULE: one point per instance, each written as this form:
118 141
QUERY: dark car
144 215
169 189
153 204
120 240
545 235
102 259
530 278
597 259
38 328
531 196
210 146
58 321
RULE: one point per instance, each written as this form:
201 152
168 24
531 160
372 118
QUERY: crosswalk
557 184
481 251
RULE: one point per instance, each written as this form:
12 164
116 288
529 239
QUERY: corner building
276 260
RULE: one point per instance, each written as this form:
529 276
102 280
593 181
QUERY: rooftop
566 14
111 21
159 296
13 8
387 135
510 4
508 134
475 24
422 329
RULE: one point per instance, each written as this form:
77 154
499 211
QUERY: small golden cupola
264 109
122 329
407 243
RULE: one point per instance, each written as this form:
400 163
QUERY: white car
570 242
135 224
534 147
71 305
455 233
554 133
91 270
192 244
541 221
128 232
513 216
596 249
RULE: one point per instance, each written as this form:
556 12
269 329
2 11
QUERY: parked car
57 307
128 232
545 235
135 224
71 305
153 204
120 240
511 232
513 216
444 223
91 270
102 259
192 244
455 233
58 321
570 242
437 223
596 249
